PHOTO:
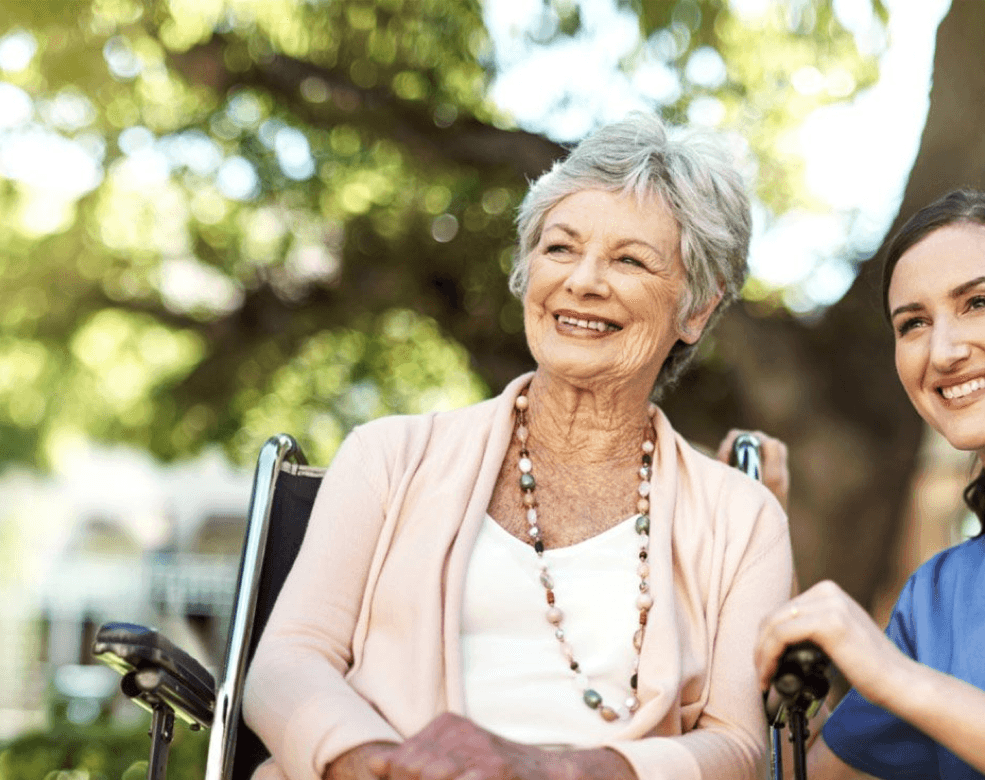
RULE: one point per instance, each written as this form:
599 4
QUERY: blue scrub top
939 620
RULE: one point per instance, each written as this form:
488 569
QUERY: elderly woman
917 708
551 584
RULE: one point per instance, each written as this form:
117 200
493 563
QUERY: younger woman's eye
907 325
976 302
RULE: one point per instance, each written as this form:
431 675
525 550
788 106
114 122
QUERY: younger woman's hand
829 617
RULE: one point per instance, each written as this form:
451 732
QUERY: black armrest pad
127 647
152 688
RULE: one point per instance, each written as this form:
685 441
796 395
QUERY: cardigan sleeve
729 738
296 697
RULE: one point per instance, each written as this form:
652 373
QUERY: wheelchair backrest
280 505
294 494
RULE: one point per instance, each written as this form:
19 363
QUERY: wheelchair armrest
156 671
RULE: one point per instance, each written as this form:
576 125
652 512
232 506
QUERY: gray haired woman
552 584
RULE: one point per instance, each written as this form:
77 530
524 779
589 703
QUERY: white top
517 681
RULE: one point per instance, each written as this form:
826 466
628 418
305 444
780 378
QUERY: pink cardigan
363 643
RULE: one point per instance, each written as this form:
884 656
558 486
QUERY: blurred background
222 219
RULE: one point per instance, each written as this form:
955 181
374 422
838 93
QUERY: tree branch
466 141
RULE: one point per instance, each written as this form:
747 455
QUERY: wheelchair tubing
229 696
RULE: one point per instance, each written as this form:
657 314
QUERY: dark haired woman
917 708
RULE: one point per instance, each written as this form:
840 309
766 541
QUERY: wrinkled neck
579 425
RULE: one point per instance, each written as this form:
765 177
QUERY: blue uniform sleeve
873 740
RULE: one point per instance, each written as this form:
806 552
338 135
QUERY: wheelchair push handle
802 679
801 683
747 456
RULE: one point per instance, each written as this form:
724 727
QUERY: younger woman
917 709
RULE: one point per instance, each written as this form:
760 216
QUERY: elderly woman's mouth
597 325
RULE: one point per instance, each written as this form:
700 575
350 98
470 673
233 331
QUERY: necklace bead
554 615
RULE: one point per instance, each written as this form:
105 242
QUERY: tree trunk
830 389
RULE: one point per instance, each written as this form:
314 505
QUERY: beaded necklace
555 617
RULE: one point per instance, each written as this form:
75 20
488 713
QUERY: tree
829 388
298 214
288 199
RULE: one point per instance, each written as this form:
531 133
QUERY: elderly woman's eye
630 260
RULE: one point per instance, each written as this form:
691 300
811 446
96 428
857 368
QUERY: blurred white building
116 537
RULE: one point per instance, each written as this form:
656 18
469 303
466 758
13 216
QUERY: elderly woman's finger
439 768
379 765
363 762
422 765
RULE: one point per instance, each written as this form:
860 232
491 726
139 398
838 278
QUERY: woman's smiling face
937 305
605 288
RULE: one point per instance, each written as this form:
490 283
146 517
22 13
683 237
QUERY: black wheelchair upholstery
293 497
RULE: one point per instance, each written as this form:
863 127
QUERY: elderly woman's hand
829 617
452 747
776 471
359 762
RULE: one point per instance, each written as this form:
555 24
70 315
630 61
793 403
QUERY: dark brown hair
964 205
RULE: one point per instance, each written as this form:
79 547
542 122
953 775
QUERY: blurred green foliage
223 218
98 752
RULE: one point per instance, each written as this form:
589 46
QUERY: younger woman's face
937 305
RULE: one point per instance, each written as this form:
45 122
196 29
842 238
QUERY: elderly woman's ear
694 325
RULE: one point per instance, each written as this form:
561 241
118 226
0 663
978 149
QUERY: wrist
591 764
893 676
909 690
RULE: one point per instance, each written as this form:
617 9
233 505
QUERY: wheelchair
167 682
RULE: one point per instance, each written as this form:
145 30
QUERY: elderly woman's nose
587 276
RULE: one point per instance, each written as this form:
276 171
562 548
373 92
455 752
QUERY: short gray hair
688 169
